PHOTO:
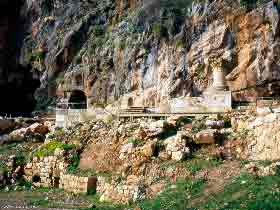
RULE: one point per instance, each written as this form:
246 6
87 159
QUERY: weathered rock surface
176 147
269 170
91 44
6 125
206 137
266 143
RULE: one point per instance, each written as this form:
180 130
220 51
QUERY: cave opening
78 100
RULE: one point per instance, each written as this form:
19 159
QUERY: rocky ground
143 164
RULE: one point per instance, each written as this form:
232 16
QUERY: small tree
248 4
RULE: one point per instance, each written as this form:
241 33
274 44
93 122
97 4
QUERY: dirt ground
24 200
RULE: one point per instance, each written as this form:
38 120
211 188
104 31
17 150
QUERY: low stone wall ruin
45 171
130 190
77 184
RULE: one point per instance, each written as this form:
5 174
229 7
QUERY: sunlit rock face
143 48
16 83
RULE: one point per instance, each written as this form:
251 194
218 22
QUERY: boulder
180 155
38 128
155 128
260 170
206 137
126 149
148 149
50 125
18 134
173 120
6 125
164 155
215 124
265 143
4 139
3 178
176 147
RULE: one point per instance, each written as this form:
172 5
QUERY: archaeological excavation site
140 104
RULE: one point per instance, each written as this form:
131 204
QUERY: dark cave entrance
78 100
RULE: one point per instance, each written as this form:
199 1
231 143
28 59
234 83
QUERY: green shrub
98 30
19 159
200 71
198 125
248 4
3 166
74 163
168 133
37 56
49 148
122 44
136 142
180 43
157 29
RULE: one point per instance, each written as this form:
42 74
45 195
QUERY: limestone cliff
158 49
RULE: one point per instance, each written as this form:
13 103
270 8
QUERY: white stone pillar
219 79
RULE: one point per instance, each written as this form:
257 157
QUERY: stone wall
77 184
124 191
45 171
69 117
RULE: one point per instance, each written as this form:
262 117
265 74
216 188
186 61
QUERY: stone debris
34 129
260 170
156 128
176 147
208 136
215 124
38 128
132 153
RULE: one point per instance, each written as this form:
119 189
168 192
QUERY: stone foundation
124 191
76 184
45 171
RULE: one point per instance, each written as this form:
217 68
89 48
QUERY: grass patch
42 202
195 165
247 192
136 142
3 166
176 197
94 199
7 148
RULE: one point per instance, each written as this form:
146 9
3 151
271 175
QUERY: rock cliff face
157 49
16 82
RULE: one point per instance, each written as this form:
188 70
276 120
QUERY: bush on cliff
49 148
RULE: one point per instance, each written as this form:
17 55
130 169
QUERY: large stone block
206 137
